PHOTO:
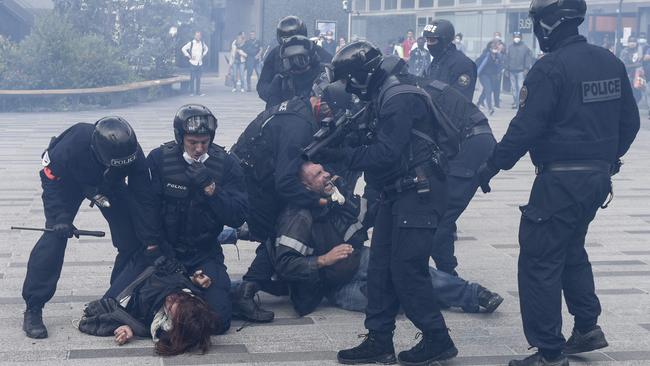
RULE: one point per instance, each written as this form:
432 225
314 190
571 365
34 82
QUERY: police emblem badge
523 95
464 80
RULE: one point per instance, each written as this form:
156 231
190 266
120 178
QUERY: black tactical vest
253 147
188 220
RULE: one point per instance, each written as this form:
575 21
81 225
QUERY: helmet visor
205 124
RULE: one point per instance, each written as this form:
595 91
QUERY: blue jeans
516 81
227 236
239 70
195 79
449 290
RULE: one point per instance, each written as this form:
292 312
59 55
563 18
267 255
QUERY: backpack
253 148
454 115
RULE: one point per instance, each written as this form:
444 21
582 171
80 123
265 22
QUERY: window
426 3
360 5
375 5
390 4
408 4
446 3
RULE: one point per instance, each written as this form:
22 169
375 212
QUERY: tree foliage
140 29
55 55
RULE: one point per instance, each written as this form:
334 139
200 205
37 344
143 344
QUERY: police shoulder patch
523 95
464 80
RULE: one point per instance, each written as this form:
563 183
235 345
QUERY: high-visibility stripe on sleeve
294 244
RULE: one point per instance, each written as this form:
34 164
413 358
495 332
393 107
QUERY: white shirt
199 50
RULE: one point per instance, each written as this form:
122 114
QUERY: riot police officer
93 162
270 151
462 182
448 65
576 119
397 161
282 77
201 189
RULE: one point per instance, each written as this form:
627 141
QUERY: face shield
202 124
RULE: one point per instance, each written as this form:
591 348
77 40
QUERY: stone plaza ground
618 244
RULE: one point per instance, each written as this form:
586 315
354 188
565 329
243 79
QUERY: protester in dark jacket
518 61
489 69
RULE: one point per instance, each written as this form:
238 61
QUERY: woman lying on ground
163 303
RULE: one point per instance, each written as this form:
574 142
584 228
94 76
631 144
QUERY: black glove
199 175
65 230
331 155
152 254
485 174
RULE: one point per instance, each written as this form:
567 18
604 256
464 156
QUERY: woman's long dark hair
193 323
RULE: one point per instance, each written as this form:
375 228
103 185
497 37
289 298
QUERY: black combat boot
33 324
538 359
434 346
244 305
584 342
376 348
488 300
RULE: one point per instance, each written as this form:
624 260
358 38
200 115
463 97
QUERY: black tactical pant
462 184
552 257
261 271
398 271
46 259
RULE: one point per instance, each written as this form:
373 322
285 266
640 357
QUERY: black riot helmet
113 142
439 35
547 15
194 119
290 26
356 63
297 54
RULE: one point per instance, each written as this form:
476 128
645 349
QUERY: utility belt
482 129
575 166
583 166
420 181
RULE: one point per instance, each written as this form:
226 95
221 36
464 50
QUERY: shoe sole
494 305
387 359
243 317
448 354
569 351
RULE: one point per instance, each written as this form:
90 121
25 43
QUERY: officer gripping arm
229 202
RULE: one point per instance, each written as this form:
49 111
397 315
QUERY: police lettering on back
601 90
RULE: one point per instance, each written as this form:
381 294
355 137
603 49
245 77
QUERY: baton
76 232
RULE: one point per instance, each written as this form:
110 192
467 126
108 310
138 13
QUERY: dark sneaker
33 324
244 305
434 346
538 360
488 300
589 341
374 349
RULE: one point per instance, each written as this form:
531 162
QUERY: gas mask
517 40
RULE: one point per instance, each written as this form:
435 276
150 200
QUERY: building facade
384 21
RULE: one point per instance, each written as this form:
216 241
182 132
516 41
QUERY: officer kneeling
201 189
398 162
576 119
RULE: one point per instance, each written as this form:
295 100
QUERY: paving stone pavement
618 243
